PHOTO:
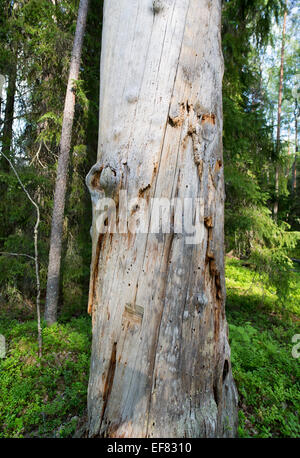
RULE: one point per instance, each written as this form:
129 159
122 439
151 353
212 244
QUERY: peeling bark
160 364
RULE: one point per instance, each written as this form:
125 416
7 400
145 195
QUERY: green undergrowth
43 397
266 373
47 397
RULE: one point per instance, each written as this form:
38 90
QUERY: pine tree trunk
62 172
275 208
160 364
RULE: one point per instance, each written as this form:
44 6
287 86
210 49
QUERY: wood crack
94 274
152 370
109 380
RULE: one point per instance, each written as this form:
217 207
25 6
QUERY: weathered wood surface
160 364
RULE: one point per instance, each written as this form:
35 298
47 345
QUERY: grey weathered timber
160 363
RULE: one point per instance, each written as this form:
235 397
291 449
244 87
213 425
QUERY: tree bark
294 166
2 82
7 132
160 364
7 141
62 172
275 208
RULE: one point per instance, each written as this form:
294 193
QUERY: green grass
45 398
266 374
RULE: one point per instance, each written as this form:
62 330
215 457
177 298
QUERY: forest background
262 244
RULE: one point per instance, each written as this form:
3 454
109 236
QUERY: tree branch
6 253
36 257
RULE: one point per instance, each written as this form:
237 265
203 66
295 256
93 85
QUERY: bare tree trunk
160 364
2 82
7 132
275 208
288 162
294 167
62 171
7 139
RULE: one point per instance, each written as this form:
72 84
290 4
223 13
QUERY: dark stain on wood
208 118
225 370
143 190
94 274
208 221
216 393
109 379
95 182
218 165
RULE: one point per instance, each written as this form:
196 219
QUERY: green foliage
250 157
266 374
43 397
253 288
44 32
253 234
16 231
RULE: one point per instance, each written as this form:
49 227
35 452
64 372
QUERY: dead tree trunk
62 172
160 364
275 208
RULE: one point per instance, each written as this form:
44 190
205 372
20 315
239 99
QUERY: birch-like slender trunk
2 82
275 208
294 166
160 364
62 171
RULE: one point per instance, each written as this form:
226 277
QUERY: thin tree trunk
160 364
294 167
288 162
7 139
62 172
275 208
7 132
2 82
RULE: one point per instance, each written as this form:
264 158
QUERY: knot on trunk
101 181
